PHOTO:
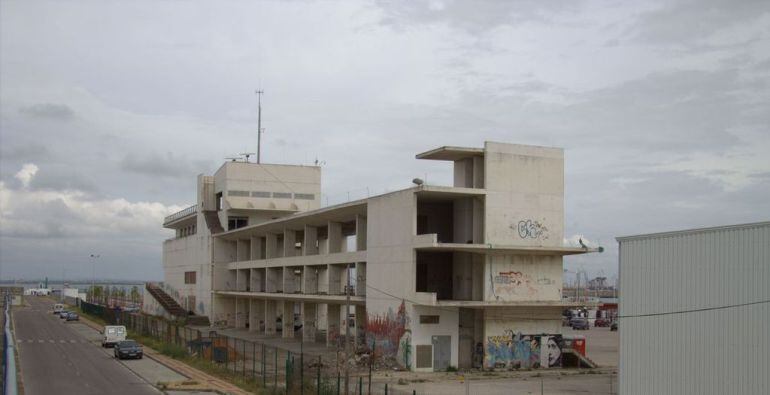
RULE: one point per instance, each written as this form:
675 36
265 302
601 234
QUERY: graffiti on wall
532 229
519 351
391 335
514 283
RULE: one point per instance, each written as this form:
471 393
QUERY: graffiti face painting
511 351
553 349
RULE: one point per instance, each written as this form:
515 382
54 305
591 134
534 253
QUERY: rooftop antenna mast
259 124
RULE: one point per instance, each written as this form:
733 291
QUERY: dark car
73 317
579 323
63 314
128 349
601 322
614 326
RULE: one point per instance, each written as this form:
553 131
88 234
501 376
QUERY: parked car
113 334
63 314
128 349
57 308
73 317
614 326
601 322
580 323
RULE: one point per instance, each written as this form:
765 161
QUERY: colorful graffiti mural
391 335
519 351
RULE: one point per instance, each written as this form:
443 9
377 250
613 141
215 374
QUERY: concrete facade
695 311
467 275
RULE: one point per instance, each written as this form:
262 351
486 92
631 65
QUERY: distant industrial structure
436 276
695 311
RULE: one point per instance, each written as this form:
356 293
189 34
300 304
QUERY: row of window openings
277 195
186 231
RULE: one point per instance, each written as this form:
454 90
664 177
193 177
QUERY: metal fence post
360 385
254 361
275 367
244 358
264 359
386 388
301 368
318 377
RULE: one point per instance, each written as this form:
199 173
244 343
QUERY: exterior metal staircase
165 300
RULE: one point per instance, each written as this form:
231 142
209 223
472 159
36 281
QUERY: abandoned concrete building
463 275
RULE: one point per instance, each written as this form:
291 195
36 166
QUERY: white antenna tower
259 124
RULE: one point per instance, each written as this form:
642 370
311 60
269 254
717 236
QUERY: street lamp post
94 257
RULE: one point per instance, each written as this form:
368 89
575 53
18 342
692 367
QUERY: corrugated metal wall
722 351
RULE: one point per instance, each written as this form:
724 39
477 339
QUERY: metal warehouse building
695 311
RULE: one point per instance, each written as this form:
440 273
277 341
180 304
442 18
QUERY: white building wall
722 351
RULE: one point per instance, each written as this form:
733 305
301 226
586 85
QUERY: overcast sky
110 110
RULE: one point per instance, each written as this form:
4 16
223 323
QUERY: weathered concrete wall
391 225
525 195
523 278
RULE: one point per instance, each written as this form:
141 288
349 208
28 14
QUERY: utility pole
259 124
347 329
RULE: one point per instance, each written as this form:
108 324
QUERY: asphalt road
58 359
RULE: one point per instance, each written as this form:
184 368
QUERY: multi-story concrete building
459 275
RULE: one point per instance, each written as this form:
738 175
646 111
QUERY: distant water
83 287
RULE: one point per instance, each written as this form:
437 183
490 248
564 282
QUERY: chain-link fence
273 368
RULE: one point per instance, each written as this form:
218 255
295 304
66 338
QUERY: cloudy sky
109 110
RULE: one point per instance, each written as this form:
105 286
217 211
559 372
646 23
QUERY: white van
58 308
113 334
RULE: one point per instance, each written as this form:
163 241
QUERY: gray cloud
691 21
60 112
661 108
168 165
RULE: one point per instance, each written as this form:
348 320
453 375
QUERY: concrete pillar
335 237
360 233
256 248
360 278
334 275
360 324
333 321
309 246
271 246
270 316
288 319
309 321
289 242
310 279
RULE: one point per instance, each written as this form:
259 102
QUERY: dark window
236 222
189 277
304 196
238 193
429 319
218 200
260 194
282 195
